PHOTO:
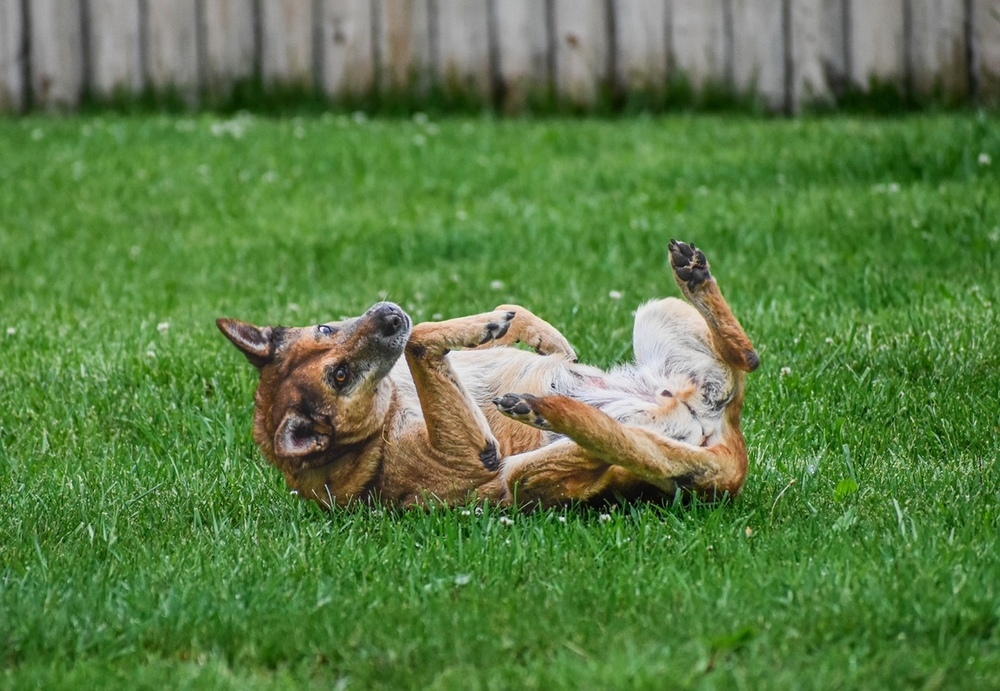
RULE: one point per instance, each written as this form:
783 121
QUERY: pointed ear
297 436
254 341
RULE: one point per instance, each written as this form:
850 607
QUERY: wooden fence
54 53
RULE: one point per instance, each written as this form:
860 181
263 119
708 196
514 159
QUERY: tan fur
442 423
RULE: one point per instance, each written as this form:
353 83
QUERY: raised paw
521 407
689 264
496 327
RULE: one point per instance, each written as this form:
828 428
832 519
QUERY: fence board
697 41
641 44
816 53
581 51
172 46
404 46
937 50
11 58
56 53
523 49
287 42
463 57
986 43
759 50
230 49
347 66
877 47
115 50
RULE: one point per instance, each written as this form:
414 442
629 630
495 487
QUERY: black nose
391 319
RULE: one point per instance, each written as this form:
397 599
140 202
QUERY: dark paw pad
689 264
490 458
520 407
495 330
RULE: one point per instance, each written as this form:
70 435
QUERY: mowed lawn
144 543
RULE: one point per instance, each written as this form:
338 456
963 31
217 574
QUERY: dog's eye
340 375
325 329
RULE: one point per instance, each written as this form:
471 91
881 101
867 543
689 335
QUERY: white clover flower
985 159
504 520
11 330
785 371
604 517
497 284
163 327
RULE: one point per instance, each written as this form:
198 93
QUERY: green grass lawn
144 542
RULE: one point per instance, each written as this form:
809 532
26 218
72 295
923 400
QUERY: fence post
347 60
582 51
403 49
56 53
231 54
12 66
172 47
878 44
522 36
985 31
115 47
641 42
287 43
698 41
759 50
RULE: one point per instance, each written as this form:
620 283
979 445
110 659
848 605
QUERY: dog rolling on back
375 409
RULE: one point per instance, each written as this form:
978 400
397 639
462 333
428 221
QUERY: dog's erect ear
254 341
297 436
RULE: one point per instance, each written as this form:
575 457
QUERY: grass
144 543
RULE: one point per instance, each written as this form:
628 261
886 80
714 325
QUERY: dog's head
323 389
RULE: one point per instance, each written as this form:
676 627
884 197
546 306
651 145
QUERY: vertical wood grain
12 86
230 51
523 49
581 51
56 53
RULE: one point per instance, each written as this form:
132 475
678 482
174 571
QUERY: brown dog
346 420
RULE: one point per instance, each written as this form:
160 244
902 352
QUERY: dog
375 409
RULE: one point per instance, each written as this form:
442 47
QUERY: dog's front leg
534 332
456 426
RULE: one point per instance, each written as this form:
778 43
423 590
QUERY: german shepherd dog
341 414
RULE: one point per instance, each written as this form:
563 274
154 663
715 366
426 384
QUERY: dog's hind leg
649 456
729 340
456 426
562 472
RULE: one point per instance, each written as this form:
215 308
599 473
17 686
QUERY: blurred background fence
786 54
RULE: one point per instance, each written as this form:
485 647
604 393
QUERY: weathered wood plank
523 49
582 51
698 41
463 50
347 60
759 50
11 56
115 50
816 53
937 50
986 53
172 46
56 53
404 46
641 44
230 51
877 45
287 42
